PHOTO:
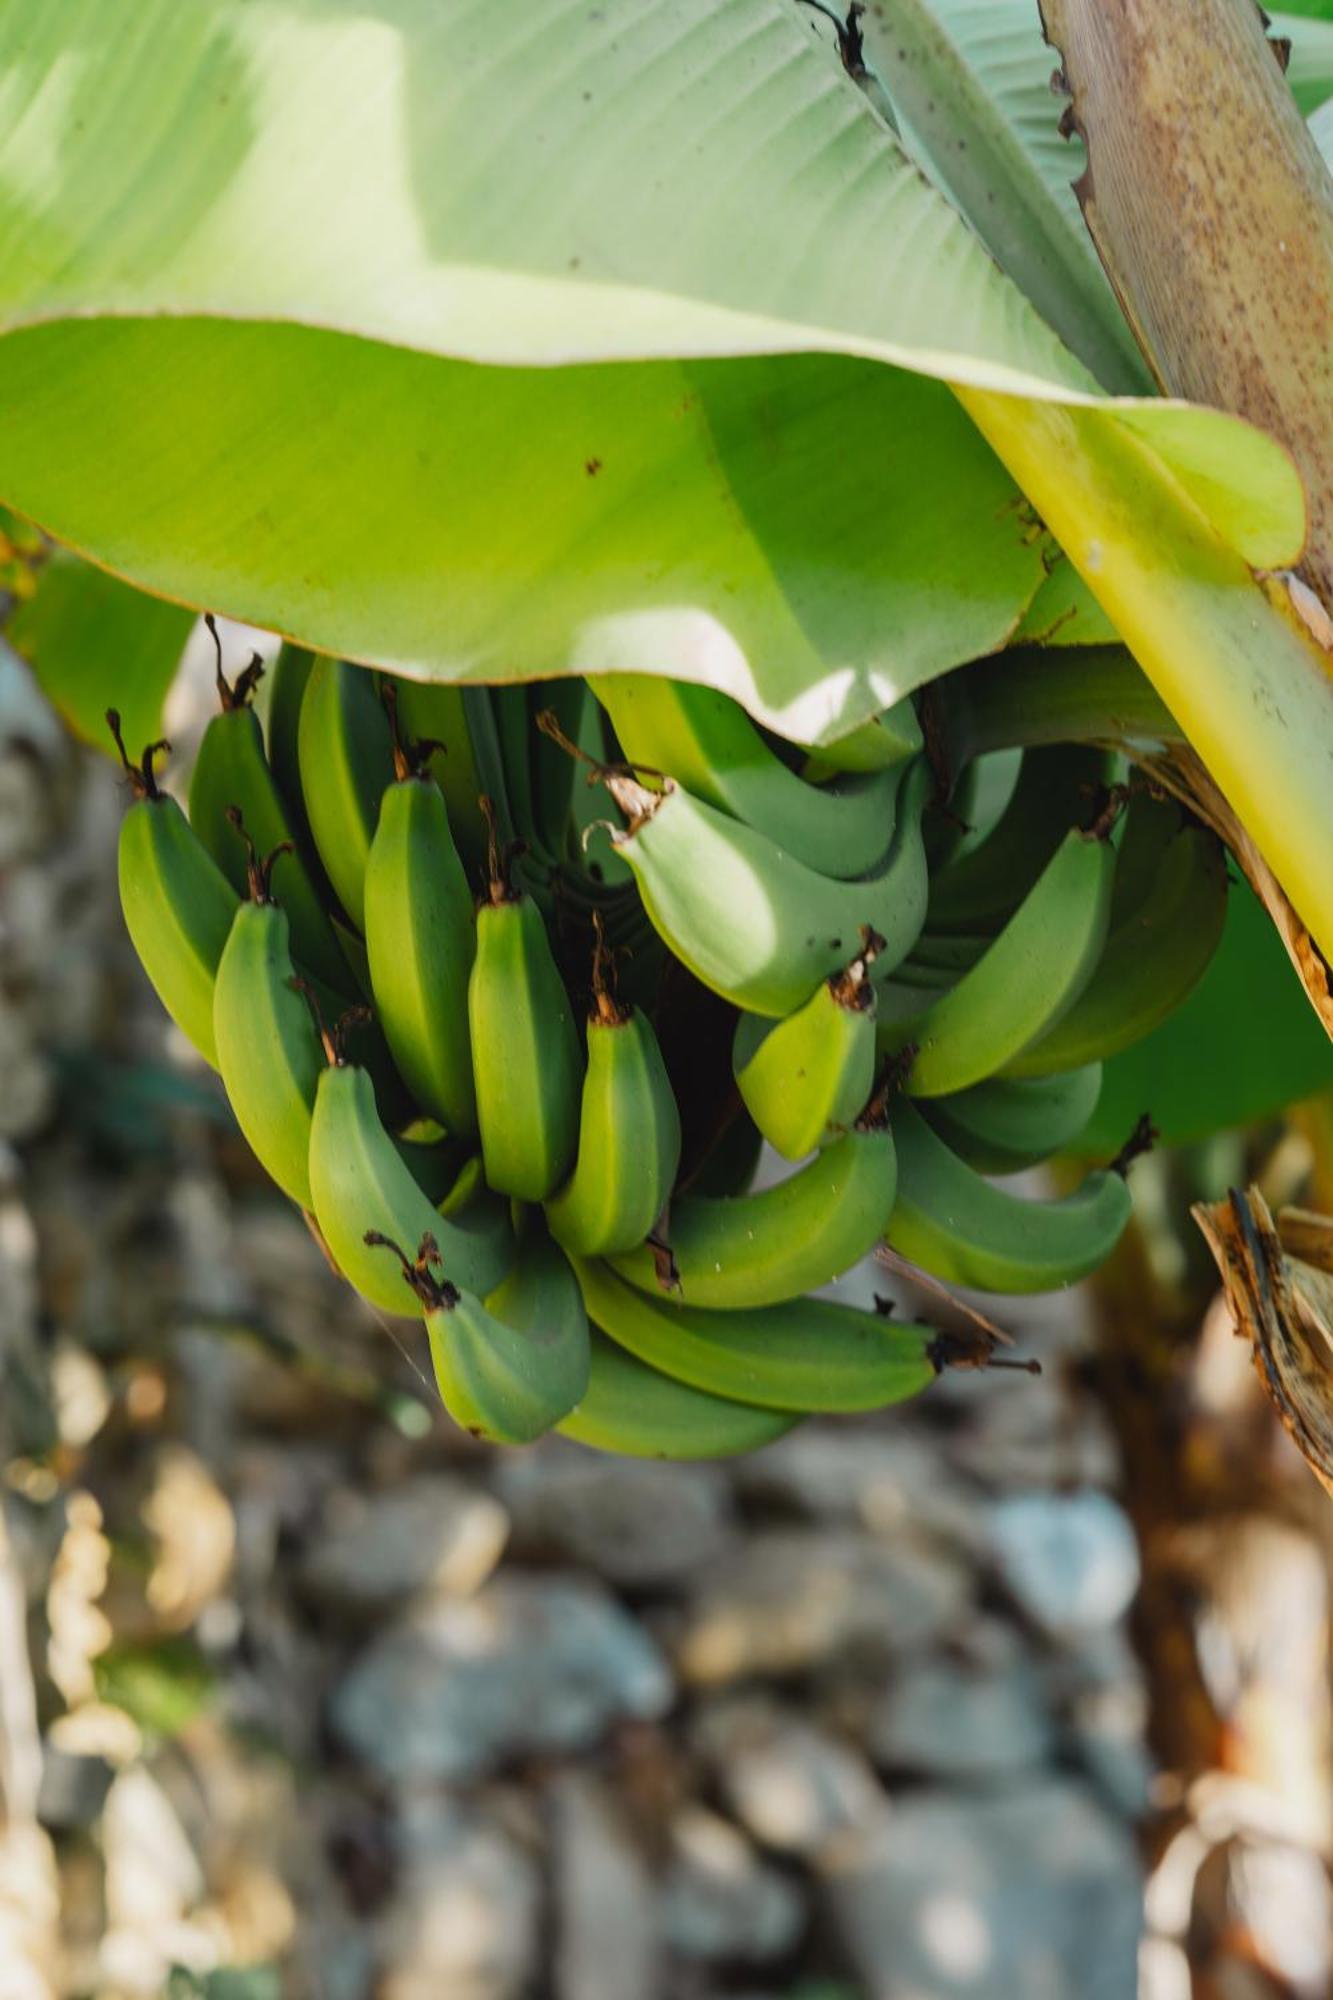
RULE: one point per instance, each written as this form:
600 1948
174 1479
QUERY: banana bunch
508 986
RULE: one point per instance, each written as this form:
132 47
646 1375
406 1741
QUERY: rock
791 1600
638 1524
953 1722
1268 1903
465 1919
608 1941
1029 1892
720 1903
795 1787
457 1688
153 1877
1069 1560
432 1536
1025 1430
887 1477
73 1789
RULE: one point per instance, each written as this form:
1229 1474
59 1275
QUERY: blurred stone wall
302 1693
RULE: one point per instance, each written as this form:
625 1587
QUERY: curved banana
889 738
511 1367
636 1411
358 1182
1031 975
757 1249
629 1135
806 1079
962 1228
436 715
421 940
525 1051
1003 1125
1153 960
708 744
1056 788
750 922
268 1047
178 904
345 753
232 772
803 1354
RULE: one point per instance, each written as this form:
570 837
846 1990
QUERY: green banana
629 1134
639 1413
288 678
178 904
1154 958
525 1050
345 752
511 1367
750 922
889 738
708 744
1019 988
435 714
1002 1125
951 1222
358 1182
231 770
802 1354
757 1249
268 1047
420 943
1055 789
805 1079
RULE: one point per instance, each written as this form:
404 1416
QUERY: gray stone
434 1536
635 1523
955 1722
73 1788
464 1921
792 1600
1030 1892
721 1903
795 1787
880 1473
1025 1430
457 1688
608 1941
1069 1560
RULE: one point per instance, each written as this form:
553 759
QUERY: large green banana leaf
255 256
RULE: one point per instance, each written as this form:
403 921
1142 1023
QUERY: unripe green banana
231 771
346 757
420 943
708 744
510 1368
806 1079
804 1354
268 1047
1056 788
889 738
358 1182
525 1051
629 1135
1032 973
951 1222
640 1413
178 904
757 1249
436 714
288 678
1154 958
750 922
1003 1125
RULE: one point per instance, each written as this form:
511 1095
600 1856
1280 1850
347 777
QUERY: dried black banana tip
434 1294
140 775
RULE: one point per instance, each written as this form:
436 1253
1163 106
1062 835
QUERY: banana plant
749 337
